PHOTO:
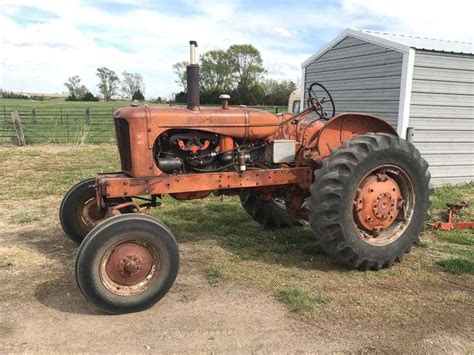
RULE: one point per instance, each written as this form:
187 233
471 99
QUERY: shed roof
398 42
432 44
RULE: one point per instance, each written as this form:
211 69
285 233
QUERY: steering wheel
318 96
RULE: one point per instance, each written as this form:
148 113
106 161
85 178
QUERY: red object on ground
453 209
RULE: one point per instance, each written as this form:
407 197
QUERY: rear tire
333 208
127 263
269 214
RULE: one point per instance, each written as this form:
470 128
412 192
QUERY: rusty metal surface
120 185
130 267
146 124
345 126
377 203
90 214
129 264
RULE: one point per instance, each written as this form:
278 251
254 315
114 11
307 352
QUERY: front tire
79 212
127 263
370 200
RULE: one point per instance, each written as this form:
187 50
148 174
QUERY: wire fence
73 125
53 124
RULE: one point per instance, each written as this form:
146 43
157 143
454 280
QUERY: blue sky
44 42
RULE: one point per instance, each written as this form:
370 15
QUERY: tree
216 72
108 82
180 97
180 70
138 95
239 71
132 83
247 64
277 92
88 96
76 90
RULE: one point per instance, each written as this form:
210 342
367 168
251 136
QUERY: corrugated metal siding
442 113
361 77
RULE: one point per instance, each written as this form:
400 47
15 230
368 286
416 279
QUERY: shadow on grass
225 222
233 229
60 293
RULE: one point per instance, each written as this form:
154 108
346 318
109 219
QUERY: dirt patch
227 297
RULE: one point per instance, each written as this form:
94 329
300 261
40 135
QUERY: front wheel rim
383 205
89 215
130 266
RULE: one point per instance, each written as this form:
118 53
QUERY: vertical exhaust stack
192 77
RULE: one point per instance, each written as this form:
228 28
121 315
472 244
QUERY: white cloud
439 19
40 56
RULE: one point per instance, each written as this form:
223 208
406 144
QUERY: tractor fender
343 127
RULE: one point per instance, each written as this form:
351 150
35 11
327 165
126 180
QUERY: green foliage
247 64
108 82
180 70
236 71
300 300
25 218
132 84
251 95
88 96
217 72
75 88
138 95
12 95
181 98
462 237
277 92
458 266
214 274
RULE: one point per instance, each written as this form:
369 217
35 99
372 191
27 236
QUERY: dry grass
219 241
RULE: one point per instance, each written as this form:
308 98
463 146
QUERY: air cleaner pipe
192 77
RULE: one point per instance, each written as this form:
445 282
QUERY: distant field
29 104
60 121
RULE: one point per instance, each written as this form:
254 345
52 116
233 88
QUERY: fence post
19 129
88 121
67 126
61 113
4 115
33 114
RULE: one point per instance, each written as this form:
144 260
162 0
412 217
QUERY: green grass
299 300
25 218
60 121
462 236
457 243
221 241
458 266
214 274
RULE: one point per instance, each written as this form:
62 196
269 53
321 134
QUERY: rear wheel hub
377 203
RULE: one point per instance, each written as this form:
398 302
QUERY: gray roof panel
424 43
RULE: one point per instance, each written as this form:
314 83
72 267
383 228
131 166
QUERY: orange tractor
363 190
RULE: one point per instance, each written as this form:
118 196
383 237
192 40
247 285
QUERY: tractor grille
123 141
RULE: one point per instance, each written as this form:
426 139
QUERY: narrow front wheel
79 212
127 263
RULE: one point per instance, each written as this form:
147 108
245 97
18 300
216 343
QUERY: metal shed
423 83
